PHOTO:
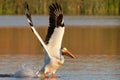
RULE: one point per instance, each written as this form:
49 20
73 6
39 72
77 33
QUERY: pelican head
66 52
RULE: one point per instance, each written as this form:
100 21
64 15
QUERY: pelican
52 45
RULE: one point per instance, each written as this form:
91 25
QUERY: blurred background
76 7
92 26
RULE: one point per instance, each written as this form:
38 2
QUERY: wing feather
55 19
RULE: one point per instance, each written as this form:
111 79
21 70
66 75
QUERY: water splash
27 70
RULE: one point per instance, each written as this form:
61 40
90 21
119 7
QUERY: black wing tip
26 6
55 6
56 15
28 14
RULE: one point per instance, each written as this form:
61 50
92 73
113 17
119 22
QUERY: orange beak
68 53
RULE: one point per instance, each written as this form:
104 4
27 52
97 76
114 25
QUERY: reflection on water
78 39
85 67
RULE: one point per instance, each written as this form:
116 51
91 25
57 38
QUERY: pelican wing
56 24
55 32
28 15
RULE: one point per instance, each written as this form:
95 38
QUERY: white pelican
52 45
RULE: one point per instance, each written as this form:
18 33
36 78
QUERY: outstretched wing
29 19
55 22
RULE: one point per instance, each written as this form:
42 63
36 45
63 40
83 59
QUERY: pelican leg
55 76
45 75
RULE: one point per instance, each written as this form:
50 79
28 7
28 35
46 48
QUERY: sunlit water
85 67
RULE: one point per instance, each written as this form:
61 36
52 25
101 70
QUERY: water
85 67
69 20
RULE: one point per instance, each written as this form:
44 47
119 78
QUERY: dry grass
79 40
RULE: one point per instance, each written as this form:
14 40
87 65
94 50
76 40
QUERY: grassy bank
70 7
79 40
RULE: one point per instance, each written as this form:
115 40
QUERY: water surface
85 67
69 20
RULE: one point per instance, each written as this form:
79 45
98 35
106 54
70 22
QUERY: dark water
85 67
69 20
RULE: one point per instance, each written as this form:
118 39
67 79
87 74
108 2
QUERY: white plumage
52 46
56 38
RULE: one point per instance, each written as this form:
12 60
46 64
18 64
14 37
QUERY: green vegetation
70 7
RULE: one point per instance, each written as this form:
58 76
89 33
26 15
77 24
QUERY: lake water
69 20
97 59
85 67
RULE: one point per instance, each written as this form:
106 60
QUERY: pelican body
52 44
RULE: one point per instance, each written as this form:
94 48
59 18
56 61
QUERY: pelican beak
68 53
